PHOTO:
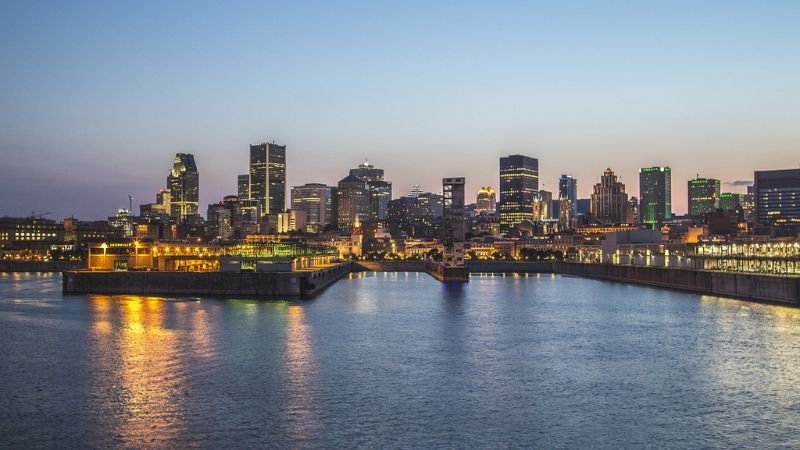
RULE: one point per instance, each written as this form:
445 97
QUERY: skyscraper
519 182
380 190
183 183
268 177
243 186
567 200
655 196
316 200
731 202
609 201
777 197
486 200
353 202
703 196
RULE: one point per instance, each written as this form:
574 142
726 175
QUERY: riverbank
754 287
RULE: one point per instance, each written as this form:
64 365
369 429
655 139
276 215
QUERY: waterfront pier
296 284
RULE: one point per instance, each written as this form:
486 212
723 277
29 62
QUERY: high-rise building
777 197
486 200
655 196
453 220
183 183
316 200
219 221
731 202
380 190
519 182
268 177
353 202
541 206
243 186
703 196
415 191
609 201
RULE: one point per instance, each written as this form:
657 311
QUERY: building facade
317 201
486 200
183 183
777 197
519 183
655 196
268 177
353 202
703 196
609 203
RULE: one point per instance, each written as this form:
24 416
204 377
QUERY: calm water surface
399 360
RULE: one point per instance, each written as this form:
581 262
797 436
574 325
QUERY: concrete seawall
472 266
509 267
764 288
206 284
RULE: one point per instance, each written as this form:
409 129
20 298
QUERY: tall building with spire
609 204
183 182
268 177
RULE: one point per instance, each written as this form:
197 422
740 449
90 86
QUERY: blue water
399 360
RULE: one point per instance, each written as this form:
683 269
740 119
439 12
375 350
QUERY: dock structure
295 284
452 267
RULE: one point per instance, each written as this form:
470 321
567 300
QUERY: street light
104 246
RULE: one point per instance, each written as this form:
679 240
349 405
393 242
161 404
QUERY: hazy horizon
99 97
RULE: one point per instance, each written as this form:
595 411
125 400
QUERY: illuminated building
777 197
29 229
609 203
268 177
567 201
519 182
486 200
655 196
380 190
219 221
122 221
317 201
243 186
703 196
453 222
731 202
419 216
541 206
400 214
291 221
415 191
183 183
353 202
161 209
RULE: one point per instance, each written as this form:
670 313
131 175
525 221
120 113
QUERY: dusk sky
98 97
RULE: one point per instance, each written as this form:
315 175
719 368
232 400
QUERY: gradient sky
98 97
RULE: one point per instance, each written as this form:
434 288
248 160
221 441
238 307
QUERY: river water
399 360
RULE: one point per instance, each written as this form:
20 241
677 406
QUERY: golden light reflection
299 375
132 345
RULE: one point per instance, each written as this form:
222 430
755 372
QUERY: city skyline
693 87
